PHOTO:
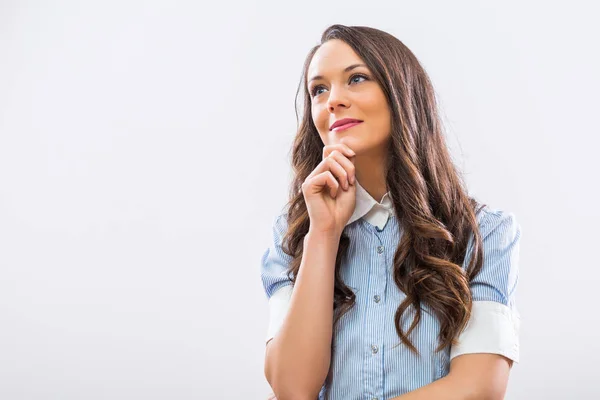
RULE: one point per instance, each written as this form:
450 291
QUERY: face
344 88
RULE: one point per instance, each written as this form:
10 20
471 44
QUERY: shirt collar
374 212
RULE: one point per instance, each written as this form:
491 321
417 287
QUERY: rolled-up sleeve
278 287
495 321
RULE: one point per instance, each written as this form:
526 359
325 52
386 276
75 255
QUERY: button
380 249
376 298
374 349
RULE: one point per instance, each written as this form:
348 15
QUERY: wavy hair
429 196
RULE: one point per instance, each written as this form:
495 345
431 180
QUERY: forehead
333 56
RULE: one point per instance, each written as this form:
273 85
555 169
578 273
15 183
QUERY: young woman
385 279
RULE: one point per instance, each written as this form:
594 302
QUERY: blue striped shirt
368 360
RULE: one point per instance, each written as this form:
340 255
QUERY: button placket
374 333
374 349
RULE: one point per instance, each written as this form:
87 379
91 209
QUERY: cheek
373 101
379 109
385 117
320 118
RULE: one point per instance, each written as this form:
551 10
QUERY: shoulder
500 242
497 222
280 223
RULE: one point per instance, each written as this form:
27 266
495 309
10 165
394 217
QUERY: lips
341 124
345 126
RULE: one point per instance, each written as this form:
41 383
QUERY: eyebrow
348 68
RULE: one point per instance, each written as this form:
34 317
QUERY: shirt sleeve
278 287
494 323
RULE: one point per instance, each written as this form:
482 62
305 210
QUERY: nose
337 98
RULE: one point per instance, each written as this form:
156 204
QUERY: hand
330 191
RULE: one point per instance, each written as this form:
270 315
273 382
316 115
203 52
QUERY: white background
144 150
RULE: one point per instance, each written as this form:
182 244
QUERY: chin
352 142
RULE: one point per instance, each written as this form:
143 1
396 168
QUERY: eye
357 76
314 90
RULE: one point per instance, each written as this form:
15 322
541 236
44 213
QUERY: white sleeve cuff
279 302
492 328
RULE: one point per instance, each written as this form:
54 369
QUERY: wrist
323 236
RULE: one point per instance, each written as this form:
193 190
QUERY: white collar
369 209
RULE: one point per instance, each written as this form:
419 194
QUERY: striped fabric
368 360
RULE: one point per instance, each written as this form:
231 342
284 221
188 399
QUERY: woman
408 297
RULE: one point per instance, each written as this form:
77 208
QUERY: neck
370 172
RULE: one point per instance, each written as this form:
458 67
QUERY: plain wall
144 151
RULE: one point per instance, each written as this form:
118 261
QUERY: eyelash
312 92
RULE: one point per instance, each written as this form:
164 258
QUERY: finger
347 164
331 164
338 171
322 182
332 183
343 148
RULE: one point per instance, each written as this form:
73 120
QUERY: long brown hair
429 196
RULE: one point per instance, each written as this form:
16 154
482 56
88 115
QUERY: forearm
446 388
300 354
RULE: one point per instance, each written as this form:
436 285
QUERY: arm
472 377
297 359
481 360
